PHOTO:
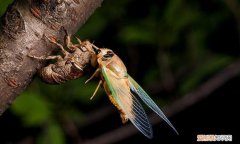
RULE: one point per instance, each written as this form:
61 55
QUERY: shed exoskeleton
69 66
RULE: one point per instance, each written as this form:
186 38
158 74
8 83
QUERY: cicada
124 92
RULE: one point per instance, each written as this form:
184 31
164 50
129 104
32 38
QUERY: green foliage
102 18
3 5
204 69
33 109
137 34
53 134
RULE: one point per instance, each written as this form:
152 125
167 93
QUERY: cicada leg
93 75
100 82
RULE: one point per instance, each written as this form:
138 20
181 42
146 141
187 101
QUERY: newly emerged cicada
123 91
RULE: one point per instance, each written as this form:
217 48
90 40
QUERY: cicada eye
108 55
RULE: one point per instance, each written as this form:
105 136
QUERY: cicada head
105 54
108 58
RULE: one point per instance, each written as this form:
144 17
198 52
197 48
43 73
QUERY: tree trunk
22 31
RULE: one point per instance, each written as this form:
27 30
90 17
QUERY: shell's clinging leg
58 57
59 45
69 44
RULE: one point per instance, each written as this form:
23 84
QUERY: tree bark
22 31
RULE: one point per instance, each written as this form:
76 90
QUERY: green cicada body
122 90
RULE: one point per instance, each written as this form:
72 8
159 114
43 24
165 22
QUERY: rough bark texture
22 31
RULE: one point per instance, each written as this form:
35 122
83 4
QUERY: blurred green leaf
32 108
53 134
94 26
151 76
75 115
78 90
4 4
137 35
206 68
102 18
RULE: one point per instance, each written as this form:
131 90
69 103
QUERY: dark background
172 48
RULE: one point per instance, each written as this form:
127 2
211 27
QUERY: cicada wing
128 102
136 88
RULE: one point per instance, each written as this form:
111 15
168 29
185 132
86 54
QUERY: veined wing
128 102
148 101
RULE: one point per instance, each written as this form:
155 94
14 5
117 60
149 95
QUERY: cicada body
123 91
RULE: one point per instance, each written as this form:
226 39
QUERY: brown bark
22 31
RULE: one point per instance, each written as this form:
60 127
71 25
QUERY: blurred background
185 54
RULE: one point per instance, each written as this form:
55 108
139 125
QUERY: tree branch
22 31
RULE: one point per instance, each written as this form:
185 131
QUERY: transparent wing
128 102
148 101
